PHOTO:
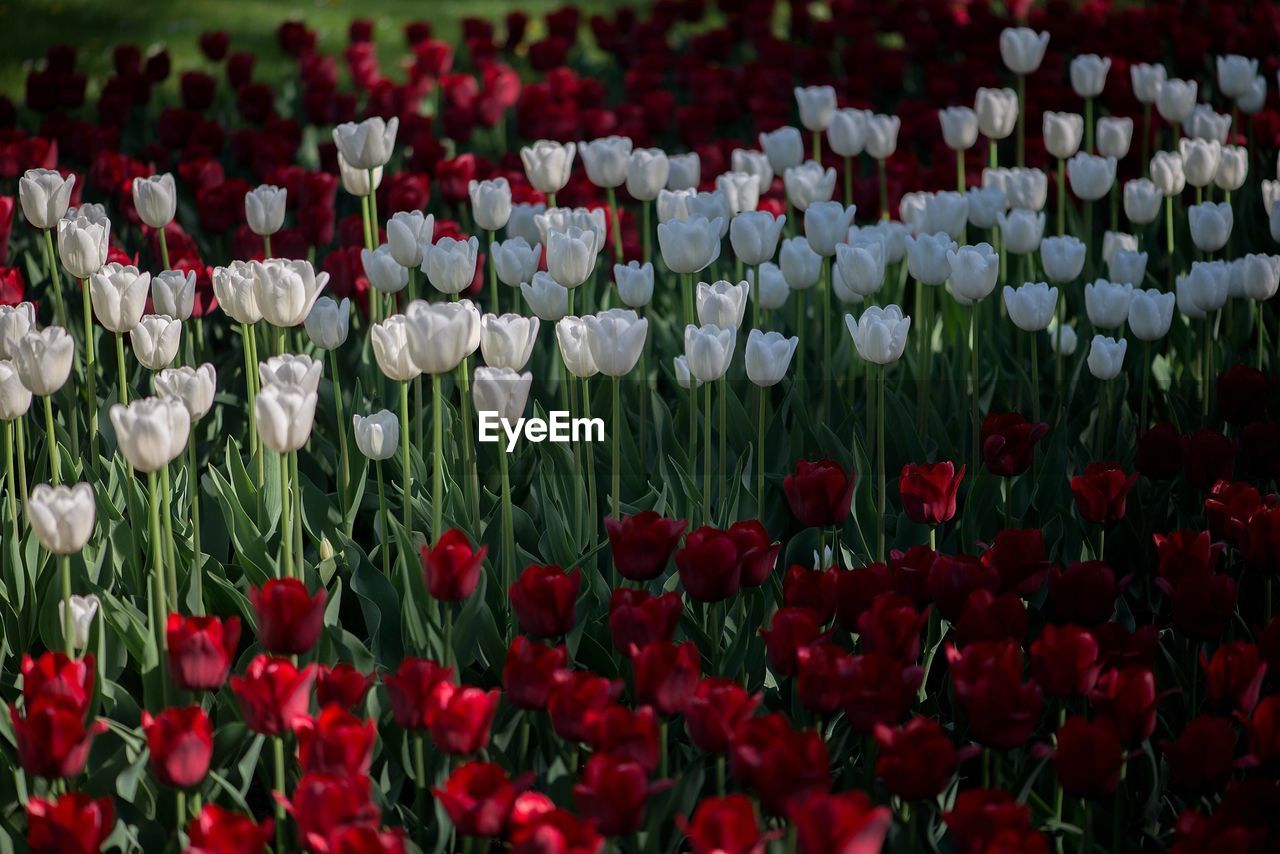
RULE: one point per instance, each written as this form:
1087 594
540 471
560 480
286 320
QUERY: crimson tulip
1264 732
577 700
451 568
462 717
411 689
953 577
75 823
543 598
1234 677
984 820
323 804
929 491
529 674
1243 393
58 677
911 572
1203 605
341 685
274 695
988 617
1008 442
847 821
642 544
1101 491
537 824
715 709
1159 452
219 831
856 589
881 690
1064 660
1127 698
780 764
814 589
180 741
52 738
916 760
1084 592
613 792
627 733
709 564
1202 758
666 674
1229 508
478 797
819 492
822 672
1002 709
336 742
1018 556
638 618
892 626
1089 757
757 554
726 825
790 630
289 618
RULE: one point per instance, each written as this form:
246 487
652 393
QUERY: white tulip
1117 241
575 348
285 416
450 264
1106 356
441 335
947 212
1107 304
1062 258
1146 81
985 203
83 610
817 106
174 293
1199 160
647 170
501 390
1255 98
689 246
1235 74
1062 133
754 236
616 340
571 256
328 323
264 209
62 517
368 144
234 288
378 434
1233 168
756 163
860 267
356 181
44 195
708 350
152 431
1142 199
767 357
119 296
927 258
1031 306
1114 136
784 147
490 203
997 111
82 245
1062 339
800 265
1022 49
825 225
1175 99
721 303
384 272
1210 225
1150 314
880 334
1091 176
524 222
15 399
808 184
1021 230
674 204
893 234
847 134
548 164
391 349
882 135
285 290
1127 265
546 299
43 359
684 171
515 261
291 369
15 322
507 341
741 191
606 160
194 387
959 127
974 270
683 378
772 290
155 341
155 199
1260 276
409 235
1089 74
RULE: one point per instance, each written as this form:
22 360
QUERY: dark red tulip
953 577
715 709
989 820
57 677
367 838
1089 757
627 733
289 618
1159 454
336 742
929 491
665 674
1203 756
274 695
892 626
1229 507
614 792
451 568
462 718
916 760
1009 442
780 764
822 671
1101 491
1259 540
577 701
411 689
529 674
1264 732
847 821
911 572
1002 709
757 554
638 618
1018 555
1083 593
709 564
1243 393
180 743
642 544
73 824
219 831
1127 698
201 651
790 629
881 690
1119 647
341 685
1203 605
1184 552
323 804
988 617
1207 457
819 492
213 44
543 598
856 589
1064 660
727 825
478 796
1234 677
52 737
539 827
814 589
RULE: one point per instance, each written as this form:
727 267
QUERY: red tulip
757 554
953 577
478 796
988 617
1202 758
367 838
1259 540
911 572
613 792
856 589
1229 507
1101 491
1264 732
274 695
1183 552
666 674
52 738
791 629
727 825
1065 661
336 742
451 568
1234 677
892 626
324 804
847 821
57 677
73 824
819 492
1203 605
1127 697
929 491
1009 442
822 674
988 820
1089 757
1084 592
642 544
539 827
814 589
638 618
881 690
219 831
529 674
411 689
915 761
577 700
462 718
627 734
715 709
543 598
289 618
709 565
180 741
341 685
1003 711
1018 557
780 764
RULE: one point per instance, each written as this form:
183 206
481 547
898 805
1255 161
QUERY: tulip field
704 427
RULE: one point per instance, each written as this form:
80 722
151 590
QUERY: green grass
28 27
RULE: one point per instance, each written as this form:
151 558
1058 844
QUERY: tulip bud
1206 125
1022 49
689 246
151 432
1235 74
546 299
1107 304
1210 225
800 265
377 435
1199 160
808 184
847 133
616 339
44 195
501 390
301 372
155 340
741 191
575 348
515 261
1142 200
62 517
997 112
959 127
523 222
1106 357
647 170
409 236
82 245
382 270
1091 176
1062 258
827 224
1260 276
674 204
974 270
450 264
548 164
233 286
860 267
194 387
882 135
367 145
771 291
1255 98
1089 74
285 291
507 341
591 222
817 106
155 199
768 356
490 203
1204 289
722 303
441 335
1031 306
1274 222
83 610
1062 339
264 209
635 283
708 350
571 256
328 323
606 160
756 163
1146 81
119 296
784 147
1114 136
945 212
285 415
43 359
1126 265
96 214
1027 189
754 236
880 334
174 293
15 400
15 322
1062 133
985 203
1021 230
1175 99
356 181
927 258
1116 241
391 349
684 171
680 366
1233 168
1150 314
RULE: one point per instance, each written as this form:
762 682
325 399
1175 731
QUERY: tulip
1175 99
200 650
44 195
1091 176
1062 258
284 291
75 822
689 246
1027 189
61 517
548 164
1260 276
491 202
984 204
1200 160
974 270
997 111
860 269
507 341
82 245
946 213
543 599
479 797
741 191
300 372
285 416
1089 74
155 341
358 182
383 271
768 355
784 148
916 761
1128 267
1022 49
1235 74
1021 230
43 359
273 694
674 204
289 618
15 322
233 287
927 257
174 293
515 261
156 200
450 264
501 390
1114 136
959 127
825 225
754 236
647 170
1233 168
409 236
929 492
684 171
1253 100
722 304
1210 225
367 145
15 400
548 300
1141 201
882 135
817 106
1107 304
708 351
328 323
1167 173
119 296
1146 80
1031 306
575 348
180 741
264 210
151 432
1106 357
377 435
808 184
192 387
772 290
335 742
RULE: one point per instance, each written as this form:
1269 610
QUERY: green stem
164 247
848 183
296 482
278 746
760 419
420 784
68 624
124 374
437 462
344 465
266 245
382 515
883 179
1062 196
1022 120
973 381
171 567
1088 125
157 549
615 428
51 442
706 456
55 278
612 197
496 308
961 180
826 323
1168 235
90 368
880 475
471 474
646 239
508 524
285 567
12 491
20 435
197 564
374 236
1035 375
406 473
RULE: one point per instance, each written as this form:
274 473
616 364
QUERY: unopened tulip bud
155 199
708 350
300 371
1062 133
974 270
616 339
356 181
1175 99
1199 160
647 170
997 112
768 356
501 390
83 610
151 432
1260 276
1116 241
43 359
15 399
507 341
119 296
62 517
1150 314
959 127
546 299
1146 81
674 204
368 144
1089 74
1210 225
515 261
44 195
606 160
771 291
490 203
1235 74
1142 200
328 323
784 147
524 222
82 245
1126 265
756 163
1091 176
741 191
264 209
15 322
409 236
1022 49
548 164
194 387
1233 168
945 212
683 378
754 236
391 349
1255 98
1062 339
882 135
441 335
1205 124
1031 306
689 246
808 184
927 258
1021 230
827 224
233 286
1115 135
1062 258
684 171
817 106
285 416
880 334
847 134
285 291
721 303
571 256
635 283
1107 304
173 292
800 265
450 264
575 349
860 267
384 272
377 435
985 203
155 341
1106 356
